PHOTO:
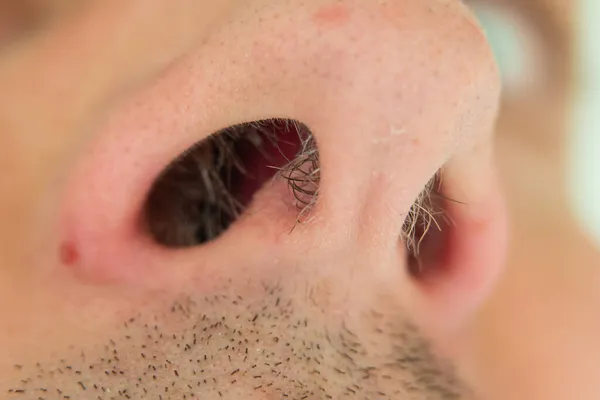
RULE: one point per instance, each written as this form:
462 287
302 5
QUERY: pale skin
100 100
536 338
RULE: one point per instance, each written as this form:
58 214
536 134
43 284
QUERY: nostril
208 187
425 228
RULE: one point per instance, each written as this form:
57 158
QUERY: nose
393 92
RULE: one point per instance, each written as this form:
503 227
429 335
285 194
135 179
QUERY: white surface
585 150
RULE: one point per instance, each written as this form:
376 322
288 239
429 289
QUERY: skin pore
94 308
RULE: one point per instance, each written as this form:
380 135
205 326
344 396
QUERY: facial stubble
231 346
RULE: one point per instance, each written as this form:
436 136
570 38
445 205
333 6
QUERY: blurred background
538 333
519 33
585 150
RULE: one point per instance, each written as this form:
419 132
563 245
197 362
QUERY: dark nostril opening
205 189
208 187
425 228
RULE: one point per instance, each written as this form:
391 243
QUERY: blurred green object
507 42
584 153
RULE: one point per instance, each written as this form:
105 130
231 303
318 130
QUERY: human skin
92 307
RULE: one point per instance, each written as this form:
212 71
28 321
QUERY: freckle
68 253
332 15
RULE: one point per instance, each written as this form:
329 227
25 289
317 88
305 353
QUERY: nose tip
388 89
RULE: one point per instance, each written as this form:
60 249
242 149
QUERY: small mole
332 15
68 253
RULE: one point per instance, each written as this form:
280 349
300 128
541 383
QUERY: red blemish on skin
68 253
332 15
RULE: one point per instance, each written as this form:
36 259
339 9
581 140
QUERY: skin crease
328 311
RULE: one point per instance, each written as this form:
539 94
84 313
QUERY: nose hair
383 86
